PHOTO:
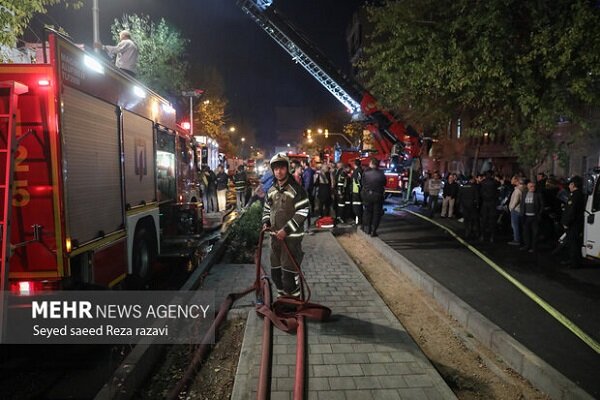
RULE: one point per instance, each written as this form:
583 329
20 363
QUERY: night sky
260 78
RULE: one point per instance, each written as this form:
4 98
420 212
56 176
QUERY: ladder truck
396 144
97 179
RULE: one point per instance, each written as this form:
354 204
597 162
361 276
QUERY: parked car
417 196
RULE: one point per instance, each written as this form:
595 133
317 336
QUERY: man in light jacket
514 207
434 186
126 51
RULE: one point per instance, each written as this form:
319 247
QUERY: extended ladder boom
390 134
304 53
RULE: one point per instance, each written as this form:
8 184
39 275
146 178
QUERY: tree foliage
15 16
209 113
161 63
503 66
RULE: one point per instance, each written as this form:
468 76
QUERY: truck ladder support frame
14 90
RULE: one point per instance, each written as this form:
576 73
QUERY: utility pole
194 93
95 23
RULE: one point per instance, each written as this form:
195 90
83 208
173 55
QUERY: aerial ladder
393 140
9 94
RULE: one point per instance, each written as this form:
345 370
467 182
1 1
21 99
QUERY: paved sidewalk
362 353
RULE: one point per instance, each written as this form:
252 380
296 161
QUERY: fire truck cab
101 173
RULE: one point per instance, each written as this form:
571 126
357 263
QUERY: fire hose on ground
286 313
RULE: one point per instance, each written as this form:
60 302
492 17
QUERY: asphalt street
575 293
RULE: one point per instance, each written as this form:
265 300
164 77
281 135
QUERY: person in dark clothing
572 221
308 182
208 179
342 179
323 187
357 206
540 185
240 181
468 200
222 181
488 192
531 210
373 187
449 194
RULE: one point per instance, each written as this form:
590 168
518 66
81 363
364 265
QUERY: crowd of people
349 195
487 204
214 187
545 208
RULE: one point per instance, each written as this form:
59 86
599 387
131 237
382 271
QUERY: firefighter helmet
280 158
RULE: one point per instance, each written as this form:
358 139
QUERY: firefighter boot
291 283
276 277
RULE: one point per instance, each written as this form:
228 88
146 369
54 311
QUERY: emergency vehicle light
68 245
186 125
25 288
30 288
93 64
44 82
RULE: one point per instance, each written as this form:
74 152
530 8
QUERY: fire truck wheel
143 255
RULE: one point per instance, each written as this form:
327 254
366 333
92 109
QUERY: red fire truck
101 173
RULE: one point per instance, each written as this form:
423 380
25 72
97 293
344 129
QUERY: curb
139 363
542 375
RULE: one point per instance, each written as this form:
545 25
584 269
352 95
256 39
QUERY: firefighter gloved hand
281 234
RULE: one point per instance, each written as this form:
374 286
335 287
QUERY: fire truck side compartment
91 157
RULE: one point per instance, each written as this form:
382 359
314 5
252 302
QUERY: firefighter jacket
357 179
341 182
240 180
286 207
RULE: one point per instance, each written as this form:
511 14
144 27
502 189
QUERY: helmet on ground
280 158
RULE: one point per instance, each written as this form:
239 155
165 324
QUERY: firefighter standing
286 207
572 221
356 187
341 185
373 188
240 181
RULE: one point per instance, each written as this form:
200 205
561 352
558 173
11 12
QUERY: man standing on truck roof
286 207
126 51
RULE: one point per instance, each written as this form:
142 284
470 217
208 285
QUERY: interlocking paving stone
363 352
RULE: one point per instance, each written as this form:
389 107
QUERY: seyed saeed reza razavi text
85 309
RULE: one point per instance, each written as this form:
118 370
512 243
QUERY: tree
209 113
161 64
502 66
15 16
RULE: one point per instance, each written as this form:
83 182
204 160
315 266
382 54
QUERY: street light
232 129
